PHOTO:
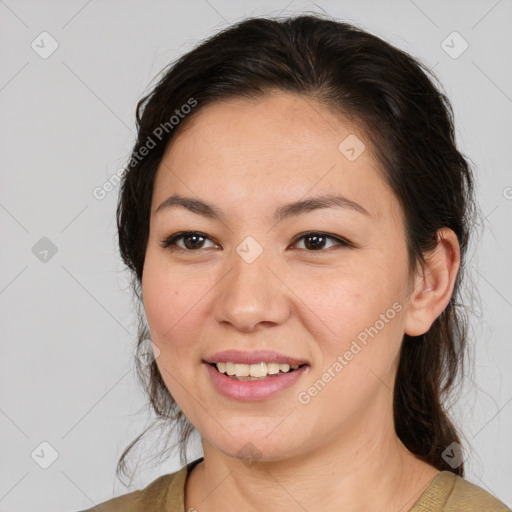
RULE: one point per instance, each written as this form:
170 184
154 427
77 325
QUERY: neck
365 469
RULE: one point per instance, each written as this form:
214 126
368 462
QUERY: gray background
68 323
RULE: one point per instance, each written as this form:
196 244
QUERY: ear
433 284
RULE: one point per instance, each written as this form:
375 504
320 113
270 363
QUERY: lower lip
251 390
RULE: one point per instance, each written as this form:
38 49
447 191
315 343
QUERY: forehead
268 150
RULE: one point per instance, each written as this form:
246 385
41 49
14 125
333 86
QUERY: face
248 280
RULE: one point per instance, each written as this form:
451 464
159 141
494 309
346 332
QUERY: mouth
246 384
252 372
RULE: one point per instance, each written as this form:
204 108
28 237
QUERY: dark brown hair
408 125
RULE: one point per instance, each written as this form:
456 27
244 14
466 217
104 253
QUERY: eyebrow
292 209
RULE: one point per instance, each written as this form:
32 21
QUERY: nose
252 293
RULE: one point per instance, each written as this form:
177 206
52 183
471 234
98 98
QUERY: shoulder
164 493
468 496
449 492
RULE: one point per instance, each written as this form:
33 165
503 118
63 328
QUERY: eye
314 241
193 240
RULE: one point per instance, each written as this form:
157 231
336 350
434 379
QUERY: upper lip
257 356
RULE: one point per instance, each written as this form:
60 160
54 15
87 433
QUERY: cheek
173 298
357 326
345 303
169 300
357 316
161 301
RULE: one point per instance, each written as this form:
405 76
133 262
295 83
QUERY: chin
250 449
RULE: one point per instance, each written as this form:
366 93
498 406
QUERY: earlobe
433 284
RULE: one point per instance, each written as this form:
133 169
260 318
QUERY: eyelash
169 242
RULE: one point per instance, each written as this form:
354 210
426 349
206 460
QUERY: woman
296 216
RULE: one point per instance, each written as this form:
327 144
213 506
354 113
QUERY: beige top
446 493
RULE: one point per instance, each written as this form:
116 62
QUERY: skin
248 157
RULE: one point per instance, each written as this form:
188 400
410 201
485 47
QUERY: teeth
273 368
242 370
254 370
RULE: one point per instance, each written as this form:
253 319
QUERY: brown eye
192 240
315 241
